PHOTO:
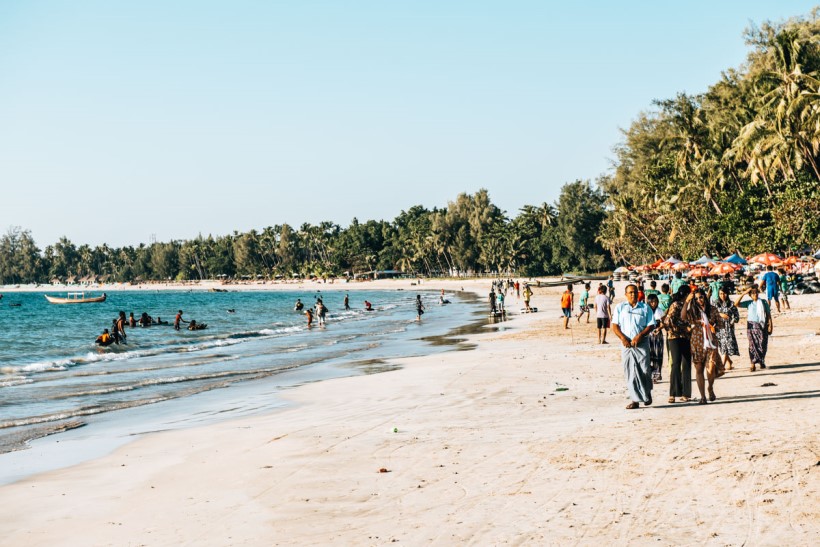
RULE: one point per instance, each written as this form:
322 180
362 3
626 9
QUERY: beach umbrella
672 260
621 269
791 260
644 268
699 272
657 264
735 259
723 268
680 266
703 260
767 259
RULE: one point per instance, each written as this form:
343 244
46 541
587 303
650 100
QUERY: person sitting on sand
105 339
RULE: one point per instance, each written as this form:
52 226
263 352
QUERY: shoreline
486 449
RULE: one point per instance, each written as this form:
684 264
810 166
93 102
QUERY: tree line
470 235
736 168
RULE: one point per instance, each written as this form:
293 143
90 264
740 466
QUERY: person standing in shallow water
632 321
419 308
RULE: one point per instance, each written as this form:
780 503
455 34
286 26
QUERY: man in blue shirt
631 322
772 286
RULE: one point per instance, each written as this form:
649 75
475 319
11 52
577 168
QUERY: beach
522 439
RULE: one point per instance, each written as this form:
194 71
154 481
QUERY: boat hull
84 300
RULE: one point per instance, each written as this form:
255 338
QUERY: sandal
702 402
712 396
631 406
684 399
671 400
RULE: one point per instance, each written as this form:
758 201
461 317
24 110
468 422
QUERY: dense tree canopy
735 168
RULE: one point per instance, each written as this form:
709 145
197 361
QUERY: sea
54 379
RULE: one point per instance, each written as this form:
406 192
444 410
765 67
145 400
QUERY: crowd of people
698 321
117 334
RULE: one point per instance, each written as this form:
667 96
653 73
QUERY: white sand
487 452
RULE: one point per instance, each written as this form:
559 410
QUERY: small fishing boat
75 298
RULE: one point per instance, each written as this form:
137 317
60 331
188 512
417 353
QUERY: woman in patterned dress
704 319
727 343
677 340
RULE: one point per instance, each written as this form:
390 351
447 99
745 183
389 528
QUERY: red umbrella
699 272
767 259
791 260
723 268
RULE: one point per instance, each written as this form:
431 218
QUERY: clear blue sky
119 120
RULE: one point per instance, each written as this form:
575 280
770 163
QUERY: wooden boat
75 298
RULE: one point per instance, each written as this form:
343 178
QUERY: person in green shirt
664 299
652 289
714 288
784 288
677 282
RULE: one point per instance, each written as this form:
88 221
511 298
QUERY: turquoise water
52 372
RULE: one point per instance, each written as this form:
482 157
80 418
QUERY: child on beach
584 305
656 340
602 314
567 300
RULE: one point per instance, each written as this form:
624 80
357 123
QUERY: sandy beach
523 440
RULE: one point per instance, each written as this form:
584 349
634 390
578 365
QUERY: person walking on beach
759 326
567 302
772 281
656 339
603 313
727 342
784 289
632 321
492 300
178 319
419 308
703 318
677 283
610 285
680 352
584 304
527 296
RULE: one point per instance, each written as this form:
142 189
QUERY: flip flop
632 406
